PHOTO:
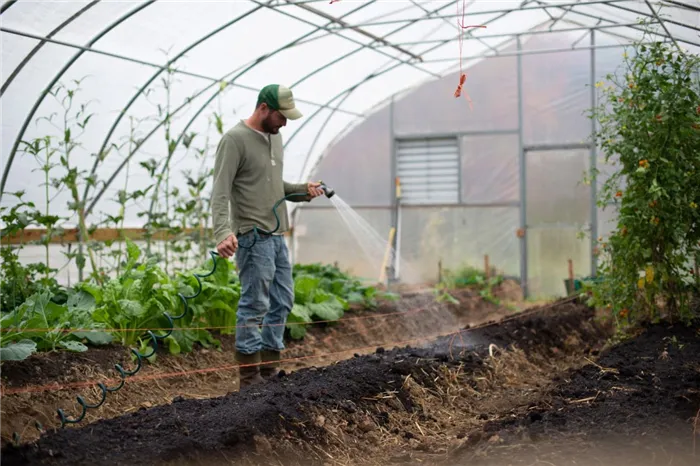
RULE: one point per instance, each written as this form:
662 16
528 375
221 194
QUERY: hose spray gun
328 191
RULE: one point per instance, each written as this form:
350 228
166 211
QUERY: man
247 183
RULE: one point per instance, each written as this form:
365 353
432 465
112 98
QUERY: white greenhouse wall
556 97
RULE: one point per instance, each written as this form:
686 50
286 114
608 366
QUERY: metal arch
636 28
296 42
38 46
522 7
148 136
317 70
400 28
58 76
371 76
155 65
7 5
357 29
682 5
352 52
336 31
350 91
663 25
335 20
138 93
669 21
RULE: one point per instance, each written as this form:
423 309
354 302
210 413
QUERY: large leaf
131 308
304 288
297 321
17 351
81 301
133 253
95 338
329 310
74 346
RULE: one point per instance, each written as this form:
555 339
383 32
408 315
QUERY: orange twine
462 75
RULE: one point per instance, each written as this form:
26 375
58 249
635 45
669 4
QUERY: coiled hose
123 373
256 230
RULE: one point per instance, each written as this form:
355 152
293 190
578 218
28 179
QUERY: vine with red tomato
649 130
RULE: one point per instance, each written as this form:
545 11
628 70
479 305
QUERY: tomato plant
649 130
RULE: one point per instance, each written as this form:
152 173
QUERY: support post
523 181
391 266
570 281
397 240
593 165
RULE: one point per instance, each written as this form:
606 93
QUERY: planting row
143 296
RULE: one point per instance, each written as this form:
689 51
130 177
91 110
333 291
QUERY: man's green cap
279 97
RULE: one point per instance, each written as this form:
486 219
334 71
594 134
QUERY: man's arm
225 168
297 188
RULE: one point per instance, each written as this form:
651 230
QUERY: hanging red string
462 75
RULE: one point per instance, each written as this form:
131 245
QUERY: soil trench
281 421
414 317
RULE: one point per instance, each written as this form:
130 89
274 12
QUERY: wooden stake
382 272
487 269
571 276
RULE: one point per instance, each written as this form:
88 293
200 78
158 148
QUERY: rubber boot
248 375
271 364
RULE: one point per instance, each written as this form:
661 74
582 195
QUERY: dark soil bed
638 404
223 429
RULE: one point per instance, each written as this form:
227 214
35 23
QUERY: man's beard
268 127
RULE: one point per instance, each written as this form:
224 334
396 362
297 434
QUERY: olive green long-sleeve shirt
248 182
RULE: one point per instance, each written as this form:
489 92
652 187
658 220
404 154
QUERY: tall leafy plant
649 117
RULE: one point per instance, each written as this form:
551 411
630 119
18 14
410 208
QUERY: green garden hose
123 373
256 231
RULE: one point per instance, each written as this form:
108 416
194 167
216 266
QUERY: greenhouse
468 144
385 90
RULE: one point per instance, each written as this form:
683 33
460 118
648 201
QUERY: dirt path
343 409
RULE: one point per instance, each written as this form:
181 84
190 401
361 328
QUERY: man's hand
314 189
227 247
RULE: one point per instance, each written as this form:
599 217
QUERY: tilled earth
223 428
554 400
33 389
636 405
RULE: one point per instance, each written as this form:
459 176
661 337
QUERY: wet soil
638 404
280 416
34 388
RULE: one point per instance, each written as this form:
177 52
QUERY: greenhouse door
558 210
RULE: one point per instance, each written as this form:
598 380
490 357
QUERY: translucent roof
342 58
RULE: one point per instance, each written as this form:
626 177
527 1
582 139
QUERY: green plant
40 324
135 300
214 307
19 281
467 276
324 293
649 121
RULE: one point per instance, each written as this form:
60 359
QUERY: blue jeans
267 292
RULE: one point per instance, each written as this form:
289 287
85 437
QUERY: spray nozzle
329 192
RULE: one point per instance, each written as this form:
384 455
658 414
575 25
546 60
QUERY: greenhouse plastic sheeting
327 51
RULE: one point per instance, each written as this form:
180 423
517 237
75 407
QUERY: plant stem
48 201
